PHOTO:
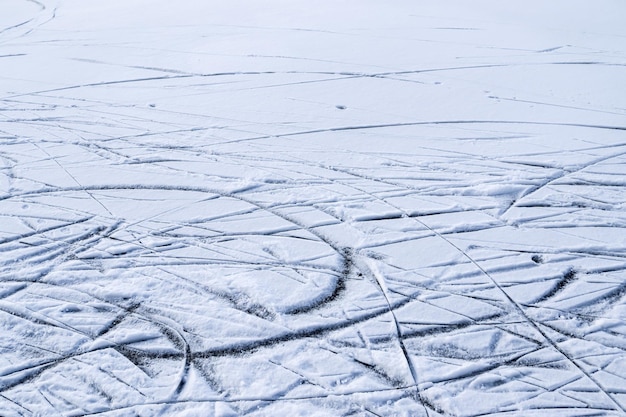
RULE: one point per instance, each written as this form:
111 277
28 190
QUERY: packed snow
295 208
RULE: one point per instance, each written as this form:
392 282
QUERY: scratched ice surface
332 208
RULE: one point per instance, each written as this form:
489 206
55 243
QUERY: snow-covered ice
295 208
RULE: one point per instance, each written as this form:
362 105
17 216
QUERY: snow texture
331 208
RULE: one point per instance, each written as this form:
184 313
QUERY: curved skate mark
25 22
45 15
338 290
247 399
239 301
343 74
173 77
339 250
291 336
38 3
422 123
54 190
169 329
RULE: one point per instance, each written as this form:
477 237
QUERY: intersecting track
272 239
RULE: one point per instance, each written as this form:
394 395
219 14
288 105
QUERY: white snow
286 208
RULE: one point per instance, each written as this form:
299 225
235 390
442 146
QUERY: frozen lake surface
293 208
